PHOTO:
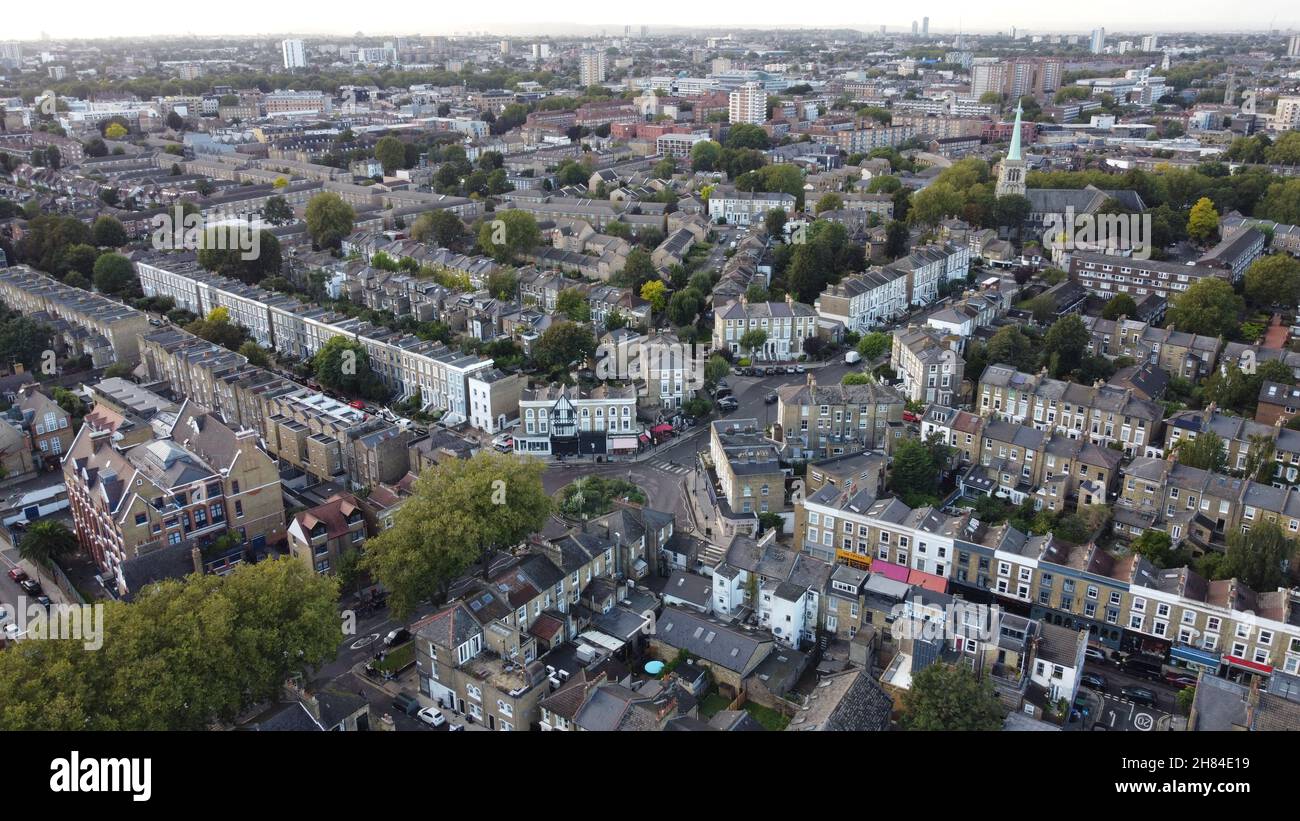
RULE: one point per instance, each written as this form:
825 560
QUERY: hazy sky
95 18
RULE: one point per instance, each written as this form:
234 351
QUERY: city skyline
244 18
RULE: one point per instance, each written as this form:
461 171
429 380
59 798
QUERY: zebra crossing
669 467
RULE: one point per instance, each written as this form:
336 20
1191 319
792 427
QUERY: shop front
1245 671
1195 659
622 445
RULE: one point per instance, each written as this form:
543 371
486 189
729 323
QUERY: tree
774 222
637 270
1156 547
1273 280
441 227
684 306
512 233
114 274
874 345
753 340
391 153
572 302
1208 307
329 219
1065 343
115 131
216 327
228 252
855 378
459 510
914 476
184 653
1119 305
1010 346
665 168
716 369
81 259
950 697
1257 557
896 239
1011 211
706 155
747 135
656 293
1203 221
107 232
255 354
1205 452
563 344
934 203
1259 457
343 365
46 542
830 202
1042 307
277 211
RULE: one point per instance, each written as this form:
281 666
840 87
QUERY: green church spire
1014 152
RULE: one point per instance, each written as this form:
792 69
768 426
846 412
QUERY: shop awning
1195 656
1249 665
661 429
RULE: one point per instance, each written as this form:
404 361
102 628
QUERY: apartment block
817 421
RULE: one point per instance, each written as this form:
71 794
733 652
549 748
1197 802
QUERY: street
1118 713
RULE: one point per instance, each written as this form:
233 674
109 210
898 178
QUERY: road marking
1143 721
364 641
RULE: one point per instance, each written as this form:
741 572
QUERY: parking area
1123 715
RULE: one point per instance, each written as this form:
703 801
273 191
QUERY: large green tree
391 154
1208 307
1205 452
510 234
1273 280
343 365
329 219
459 511
1065 343
1258 557
950 697
184 653
563 344
47 541
440 227
114 275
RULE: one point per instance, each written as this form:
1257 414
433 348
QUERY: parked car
1139 695
852 357
769 371
399 636
406 703
909 416
728 404
770 399
1093 654
358 404
799 369
17 575
1180 680
1093 681
31 587
12 632
1143 667
44 601
432 716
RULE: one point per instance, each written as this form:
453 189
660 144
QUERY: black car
728 404
31 587
406 703
770 399
769 371
1139 695
1093 681
399 636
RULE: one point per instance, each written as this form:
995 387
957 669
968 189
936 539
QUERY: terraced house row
1123 603
1102 413
320 436
407 364
96 326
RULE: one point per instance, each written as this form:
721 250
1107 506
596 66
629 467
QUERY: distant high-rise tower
591 68
925 26
1164 64
1013 32
1293 46
1011 173
914 28
1098 41
295 56
748 104
1230 90
1151 42
645 31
